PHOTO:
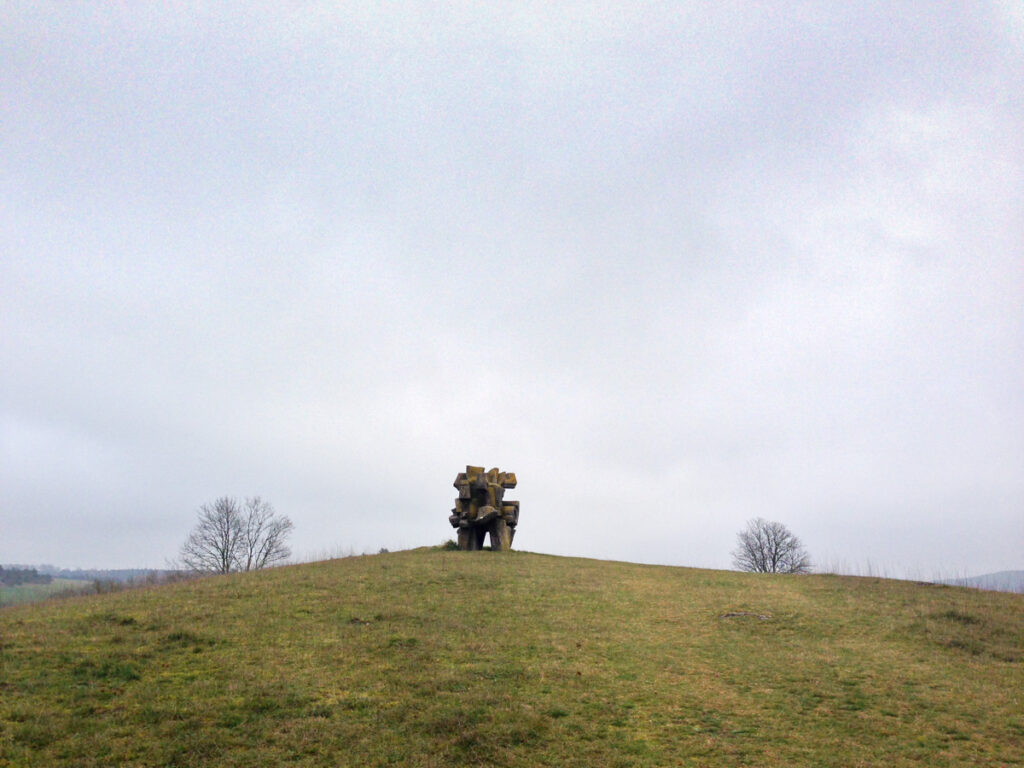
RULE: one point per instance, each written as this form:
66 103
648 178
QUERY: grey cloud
675 265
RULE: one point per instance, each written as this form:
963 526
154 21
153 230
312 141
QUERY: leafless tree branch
232 537
263 536
769 547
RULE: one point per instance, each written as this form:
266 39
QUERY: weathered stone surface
482 509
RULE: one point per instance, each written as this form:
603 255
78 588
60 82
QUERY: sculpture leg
466 538
501 538
510 514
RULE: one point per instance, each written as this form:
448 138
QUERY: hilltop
432 658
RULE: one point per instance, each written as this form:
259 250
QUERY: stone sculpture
482 509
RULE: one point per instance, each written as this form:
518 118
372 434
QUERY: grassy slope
430 658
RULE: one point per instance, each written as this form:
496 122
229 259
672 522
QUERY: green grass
434 658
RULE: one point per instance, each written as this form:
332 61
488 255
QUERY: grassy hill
433 658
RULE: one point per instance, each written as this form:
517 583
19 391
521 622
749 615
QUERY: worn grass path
434 658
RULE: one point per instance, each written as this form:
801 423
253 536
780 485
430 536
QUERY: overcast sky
677 265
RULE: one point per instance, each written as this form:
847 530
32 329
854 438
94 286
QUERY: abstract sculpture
481 509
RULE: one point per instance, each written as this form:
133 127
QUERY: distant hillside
97 574
1003 581
34 592
438 658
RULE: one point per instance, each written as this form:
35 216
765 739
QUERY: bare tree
233 537
769 547
263 536
212 545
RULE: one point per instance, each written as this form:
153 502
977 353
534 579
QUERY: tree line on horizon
13 577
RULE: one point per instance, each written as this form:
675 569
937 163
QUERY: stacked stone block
482 509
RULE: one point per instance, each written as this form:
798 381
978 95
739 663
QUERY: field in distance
31 593
434 658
